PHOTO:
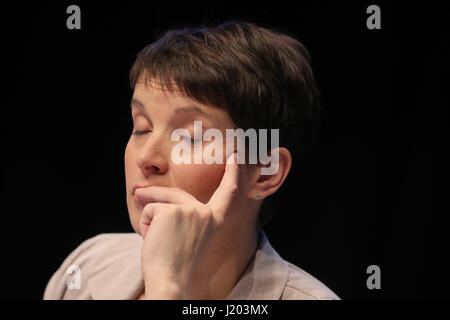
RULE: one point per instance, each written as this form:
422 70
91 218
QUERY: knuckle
233 189
190 210
148 207
208 212
176 210
207 215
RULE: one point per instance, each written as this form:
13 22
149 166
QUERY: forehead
151 94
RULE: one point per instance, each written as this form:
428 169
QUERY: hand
177 230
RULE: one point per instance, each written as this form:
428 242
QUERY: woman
199 223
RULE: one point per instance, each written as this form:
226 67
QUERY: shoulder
301 285
87 259
270 277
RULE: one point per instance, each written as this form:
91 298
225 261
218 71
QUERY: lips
136 187
137 201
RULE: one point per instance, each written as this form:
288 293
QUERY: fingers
174 213
163 195
228 188
146 219
149 213
219 202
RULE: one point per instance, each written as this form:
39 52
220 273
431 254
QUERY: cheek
200 180
130 169
128 162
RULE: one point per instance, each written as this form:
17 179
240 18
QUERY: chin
135 226
134 215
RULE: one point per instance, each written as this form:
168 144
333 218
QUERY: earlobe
265 185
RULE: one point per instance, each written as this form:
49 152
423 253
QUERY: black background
376 188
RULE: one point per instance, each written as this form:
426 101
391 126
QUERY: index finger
228 187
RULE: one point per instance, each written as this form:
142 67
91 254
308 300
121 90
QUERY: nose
152 156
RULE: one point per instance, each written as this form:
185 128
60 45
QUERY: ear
265 185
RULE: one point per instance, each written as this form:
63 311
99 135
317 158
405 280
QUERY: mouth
138 201
135 187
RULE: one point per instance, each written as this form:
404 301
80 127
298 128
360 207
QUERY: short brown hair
261 76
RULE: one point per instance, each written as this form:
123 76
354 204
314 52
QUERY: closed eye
138 132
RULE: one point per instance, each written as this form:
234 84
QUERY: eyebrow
137 103
184 109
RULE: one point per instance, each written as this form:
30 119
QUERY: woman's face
156 114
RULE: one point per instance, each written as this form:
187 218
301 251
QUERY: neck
223 264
